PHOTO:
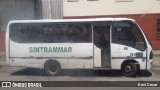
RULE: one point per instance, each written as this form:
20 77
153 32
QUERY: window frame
158 27
53 33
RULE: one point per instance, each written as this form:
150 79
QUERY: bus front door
101 38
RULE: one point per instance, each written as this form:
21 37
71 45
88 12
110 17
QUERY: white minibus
97 44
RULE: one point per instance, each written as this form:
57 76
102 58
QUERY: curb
156 64
3 64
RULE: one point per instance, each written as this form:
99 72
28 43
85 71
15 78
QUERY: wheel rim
52 69
128 69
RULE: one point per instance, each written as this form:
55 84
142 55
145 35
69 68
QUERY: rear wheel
129 69
52 68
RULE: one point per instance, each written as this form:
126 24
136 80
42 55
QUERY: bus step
101 68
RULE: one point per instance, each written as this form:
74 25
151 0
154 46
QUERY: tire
52 68
129 69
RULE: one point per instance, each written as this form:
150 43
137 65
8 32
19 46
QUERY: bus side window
79 33
128 33
50 33
97 37
84 34
123 35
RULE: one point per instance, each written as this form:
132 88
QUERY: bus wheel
129 69
52 68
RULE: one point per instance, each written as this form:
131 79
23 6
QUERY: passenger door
101 43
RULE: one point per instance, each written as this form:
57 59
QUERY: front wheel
129 69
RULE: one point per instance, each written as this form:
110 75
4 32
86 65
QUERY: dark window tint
51 32
158 27
129 34
102 36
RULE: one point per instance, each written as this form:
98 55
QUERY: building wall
110 7
2 41
57 9
52 9
13 10
148 23
27 9
38 9
145 12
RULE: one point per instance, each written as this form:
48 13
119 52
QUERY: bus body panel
65 63
19 50
80 64
149 60
27 62
67 50
120 53
97 57
72 55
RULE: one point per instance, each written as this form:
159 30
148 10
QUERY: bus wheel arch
130 68
52 67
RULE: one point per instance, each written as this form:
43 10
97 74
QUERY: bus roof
69 20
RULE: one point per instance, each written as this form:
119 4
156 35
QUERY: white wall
110 7
52 9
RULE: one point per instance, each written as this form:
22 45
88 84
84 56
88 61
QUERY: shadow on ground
81 73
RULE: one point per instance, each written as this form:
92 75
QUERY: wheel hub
128 69
52 69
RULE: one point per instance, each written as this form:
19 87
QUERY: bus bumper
149 64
